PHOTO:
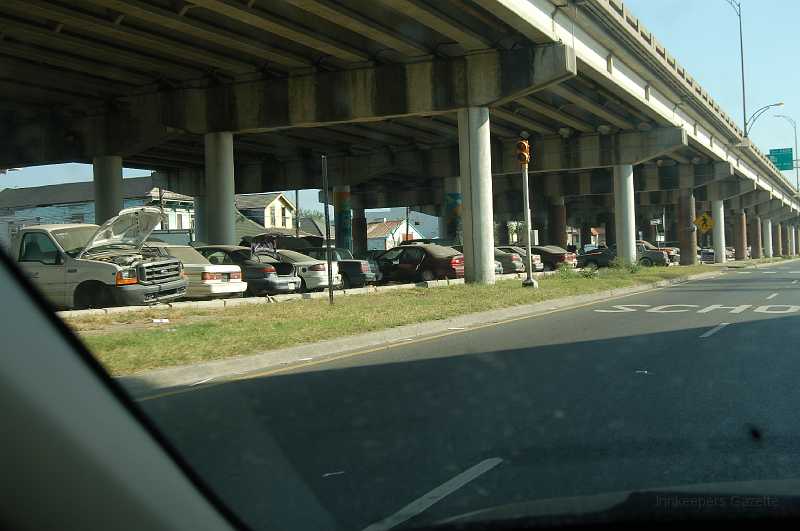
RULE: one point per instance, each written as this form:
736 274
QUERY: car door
389 263
410 259
43 262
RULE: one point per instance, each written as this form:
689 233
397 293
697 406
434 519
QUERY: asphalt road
694 383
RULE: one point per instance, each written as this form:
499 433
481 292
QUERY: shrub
566 272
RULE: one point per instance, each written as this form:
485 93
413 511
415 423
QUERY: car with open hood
86 266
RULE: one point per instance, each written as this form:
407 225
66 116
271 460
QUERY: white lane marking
714 330
428 499
305 359
743 272
643 371
457 328
794 281
772 296
769 272
329 474
203 381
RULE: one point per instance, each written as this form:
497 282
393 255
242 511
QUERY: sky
704 37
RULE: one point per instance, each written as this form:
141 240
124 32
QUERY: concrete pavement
688 384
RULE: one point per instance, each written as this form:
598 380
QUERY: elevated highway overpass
414 102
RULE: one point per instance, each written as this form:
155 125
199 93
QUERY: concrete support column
777 239
450 222
755 237
359 232
586 233
796 239
784 239
475 162
557 222
201 219
792 236
611 230
107 172
740 234
343 217
766 237
220 200
687 236
625 213
718 215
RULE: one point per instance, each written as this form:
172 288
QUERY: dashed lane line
427 500
714 330
772 296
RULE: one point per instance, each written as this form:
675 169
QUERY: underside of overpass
413 102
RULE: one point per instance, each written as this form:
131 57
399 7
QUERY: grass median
131 342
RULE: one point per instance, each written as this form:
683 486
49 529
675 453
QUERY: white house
384 234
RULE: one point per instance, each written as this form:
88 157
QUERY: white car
312 272
205 279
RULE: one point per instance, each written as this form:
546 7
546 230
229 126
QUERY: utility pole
524 156
407 231
328 249
297 213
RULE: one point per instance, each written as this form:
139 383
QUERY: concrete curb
224 303
147 383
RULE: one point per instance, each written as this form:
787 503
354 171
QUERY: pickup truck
85 266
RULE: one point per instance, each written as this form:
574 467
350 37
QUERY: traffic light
523 152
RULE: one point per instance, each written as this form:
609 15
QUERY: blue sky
701 34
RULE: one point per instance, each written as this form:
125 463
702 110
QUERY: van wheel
646 262
92 295
427 275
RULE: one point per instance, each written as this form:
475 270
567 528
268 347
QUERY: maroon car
420 262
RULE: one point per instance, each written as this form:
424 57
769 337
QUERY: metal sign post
524 156
328 249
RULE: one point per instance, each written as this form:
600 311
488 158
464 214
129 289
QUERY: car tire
591 264
427 275
92 295
303 286
646 262
346 284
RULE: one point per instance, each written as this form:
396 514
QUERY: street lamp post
794 160
737 6
750 122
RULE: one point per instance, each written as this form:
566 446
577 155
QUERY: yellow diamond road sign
704 223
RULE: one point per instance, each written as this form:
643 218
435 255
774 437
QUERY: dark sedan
420 262
264 275
553 256
355 273
603 256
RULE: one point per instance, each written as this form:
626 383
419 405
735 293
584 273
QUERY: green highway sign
782 158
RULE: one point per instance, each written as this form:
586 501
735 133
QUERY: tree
316 215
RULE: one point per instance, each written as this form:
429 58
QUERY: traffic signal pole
524 156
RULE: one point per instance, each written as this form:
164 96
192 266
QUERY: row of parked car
122 263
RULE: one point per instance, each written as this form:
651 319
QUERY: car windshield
186 254
576 292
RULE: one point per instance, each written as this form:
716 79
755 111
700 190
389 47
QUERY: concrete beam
200 30
257 18
555 153
358 23
125 34
559 116
369 93
593 107
438 21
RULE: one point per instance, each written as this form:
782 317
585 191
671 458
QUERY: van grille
160 272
